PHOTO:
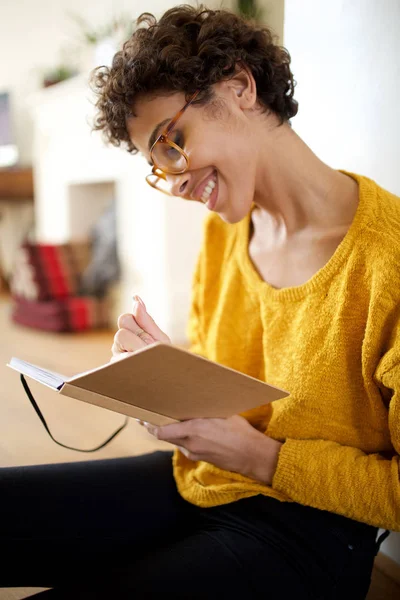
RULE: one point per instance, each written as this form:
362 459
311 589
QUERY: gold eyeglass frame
163 139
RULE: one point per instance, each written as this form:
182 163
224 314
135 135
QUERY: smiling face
220 141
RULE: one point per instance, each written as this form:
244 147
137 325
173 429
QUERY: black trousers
119 529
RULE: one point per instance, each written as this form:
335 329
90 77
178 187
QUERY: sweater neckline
254 280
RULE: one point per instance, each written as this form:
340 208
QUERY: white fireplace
76 175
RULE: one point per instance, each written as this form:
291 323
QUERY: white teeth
208 190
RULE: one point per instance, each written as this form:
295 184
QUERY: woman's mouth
209 191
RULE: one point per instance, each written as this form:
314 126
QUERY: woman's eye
173 152
177 138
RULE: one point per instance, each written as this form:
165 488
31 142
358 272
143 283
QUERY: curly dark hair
188 49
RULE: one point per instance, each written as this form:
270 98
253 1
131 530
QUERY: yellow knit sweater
333 343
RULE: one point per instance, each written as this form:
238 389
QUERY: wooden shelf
16 182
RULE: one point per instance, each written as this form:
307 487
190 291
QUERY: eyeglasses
167 156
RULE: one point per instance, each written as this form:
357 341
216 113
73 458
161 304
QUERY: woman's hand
135 331
231 444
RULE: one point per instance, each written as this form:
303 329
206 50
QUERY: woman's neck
295 190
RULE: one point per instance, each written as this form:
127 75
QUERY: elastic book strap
41 417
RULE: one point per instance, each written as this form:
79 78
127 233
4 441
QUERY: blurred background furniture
46 289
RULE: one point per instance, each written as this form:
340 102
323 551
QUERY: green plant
249 9
120 28
58 73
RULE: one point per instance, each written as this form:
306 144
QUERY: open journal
161 384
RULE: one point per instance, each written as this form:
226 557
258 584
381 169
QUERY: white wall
34 34
345 58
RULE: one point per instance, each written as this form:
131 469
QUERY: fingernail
138 299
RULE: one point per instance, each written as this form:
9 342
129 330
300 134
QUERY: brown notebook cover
161 384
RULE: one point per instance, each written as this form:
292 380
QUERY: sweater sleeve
344 480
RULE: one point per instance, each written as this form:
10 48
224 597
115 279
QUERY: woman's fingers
136 331
126 341
142 325
145 321
129 323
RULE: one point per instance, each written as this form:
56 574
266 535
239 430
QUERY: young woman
297 283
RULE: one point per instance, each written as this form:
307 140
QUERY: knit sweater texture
333 343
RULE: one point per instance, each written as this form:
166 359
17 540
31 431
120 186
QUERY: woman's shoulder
388 212
380 217
380 234
382 206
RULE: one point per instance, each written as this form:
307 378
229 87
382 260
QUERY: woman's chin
234 212
232 216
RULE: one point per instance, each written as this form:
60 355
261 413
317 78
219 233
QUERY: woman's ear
242 88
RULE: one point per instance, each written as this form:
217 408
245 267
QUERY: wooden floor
23 439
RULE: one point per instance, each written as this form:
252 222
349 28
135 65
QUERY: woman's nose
179 184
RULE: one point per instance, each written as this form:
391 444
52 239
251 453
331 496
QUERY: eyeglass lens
168 158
